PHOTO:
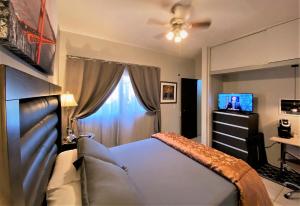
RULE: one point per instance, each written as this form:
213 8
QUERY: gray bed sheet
165 176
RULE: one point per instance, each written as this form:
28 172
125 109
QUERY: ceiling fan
179 24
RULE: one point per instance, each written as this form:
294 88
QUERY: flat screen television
240 102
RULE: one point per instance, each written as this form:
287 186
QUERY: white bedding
64 185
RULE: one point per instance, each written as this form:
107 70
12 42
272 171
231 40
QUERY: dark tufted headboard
30 129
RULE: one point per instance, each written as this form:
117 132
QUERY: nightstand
68 146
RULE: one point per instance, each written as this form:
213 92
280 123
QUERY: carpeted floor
274 174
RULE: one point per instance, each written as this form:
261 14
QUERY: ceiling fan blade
200 24
160 36
152 21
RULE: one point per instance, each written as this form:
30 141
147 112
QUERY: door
189 107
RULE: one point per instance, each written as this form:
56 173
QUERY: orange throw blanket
251 188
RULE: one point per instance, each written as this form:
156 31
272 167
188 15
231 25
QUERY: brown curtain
91 82
146 84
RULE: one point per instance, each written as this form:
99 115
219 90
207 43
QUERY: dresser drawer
230 140
230 118
230 150
231 129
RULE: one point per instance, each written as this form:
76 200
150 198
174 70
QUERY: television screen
242 102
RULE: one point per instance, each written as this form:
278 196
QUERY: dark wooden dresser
231 132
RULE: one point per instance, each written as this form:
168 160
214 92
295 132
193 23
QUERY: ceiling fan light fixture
179 23
170 35
183 34
177 39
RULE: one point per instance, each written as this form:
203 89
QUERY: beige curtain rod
93 59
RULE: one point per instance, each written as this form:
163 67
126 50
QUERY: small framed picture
168 92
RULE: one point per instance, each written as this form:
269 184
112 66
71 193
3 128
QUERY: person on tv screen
234 104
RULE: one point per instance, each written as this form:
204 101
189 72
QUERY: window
122 101
121 119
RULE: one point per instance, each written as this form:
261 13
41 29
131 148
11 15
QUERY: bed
33 170
162 176
153 164
154 172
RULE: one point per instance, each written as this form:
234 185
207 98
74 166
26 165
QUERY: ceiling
125 21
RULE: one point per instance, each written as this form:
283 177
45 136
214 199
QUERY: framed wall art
168 92
26 30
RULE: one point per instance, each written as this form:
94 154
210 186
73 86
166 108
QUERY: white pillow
64 172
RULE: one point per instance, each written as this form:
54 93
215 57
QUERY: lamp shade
67 100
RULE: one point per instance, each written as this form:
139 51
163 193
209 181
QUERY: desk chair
293 155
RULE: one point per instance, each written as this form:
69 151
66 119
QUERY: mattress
165 176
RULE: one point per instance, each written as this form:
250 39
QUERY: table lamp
68 101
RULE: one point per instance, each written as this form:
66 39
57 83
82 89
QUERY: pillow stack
103 181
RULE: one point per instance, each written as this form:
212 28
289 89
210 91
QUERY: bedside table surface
68 146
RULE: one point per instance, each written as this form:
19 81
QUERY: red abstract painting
25 29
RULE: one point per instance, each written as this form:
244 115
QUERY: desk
295 141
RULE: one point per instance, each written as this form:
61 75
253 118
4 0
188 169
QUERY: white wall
268 86
172 68
198 75
198 66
